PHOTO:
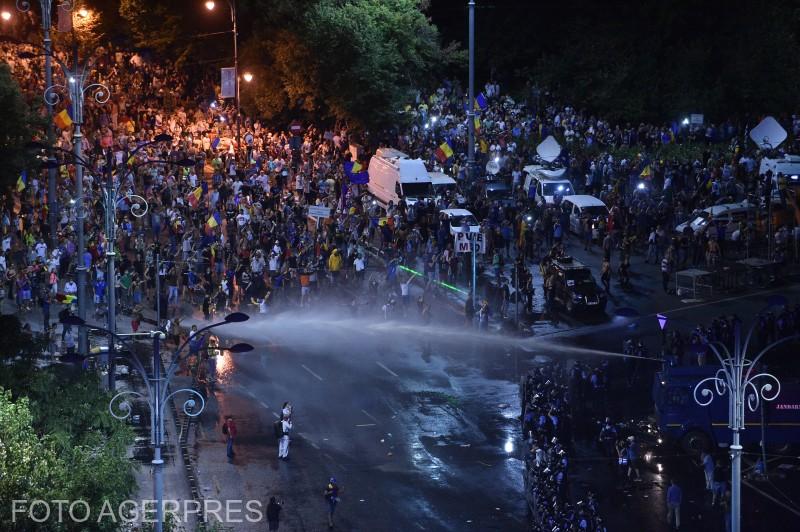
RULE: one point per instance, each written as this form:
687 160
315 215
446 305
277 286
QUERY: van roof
440 178
584 200
390 153
715 210
542 172
456 212
413 171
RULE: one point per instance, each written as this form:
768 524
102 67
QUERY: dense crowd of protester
232 231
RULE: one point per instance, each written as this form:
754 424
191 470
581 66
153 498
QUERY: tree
157 25
358 61
27 463
58 440
647 60
16 129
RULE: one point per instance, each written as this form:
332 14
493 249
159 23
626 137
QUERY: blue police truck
695 427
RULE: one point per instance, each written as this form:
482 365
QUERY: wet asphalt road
419 423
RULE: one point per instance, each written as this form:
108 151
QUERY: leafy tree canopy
57 438
17 127
356 60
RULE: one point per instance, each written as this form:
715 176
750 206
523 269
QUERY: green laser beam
451 287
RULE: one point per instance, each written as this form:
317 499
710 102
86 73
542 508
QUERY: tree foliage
158 25
355 60
17 127
57 439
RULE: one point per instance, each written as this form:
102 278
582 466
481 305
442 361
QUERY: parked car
725 213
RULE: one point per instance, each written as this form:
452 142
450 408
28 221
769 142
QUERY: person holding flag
443 152
63 119
22 181
193 198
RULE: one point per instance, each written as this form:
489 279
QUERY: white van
456 219
789 166
443 185
581 205
546 188
393 175
726 213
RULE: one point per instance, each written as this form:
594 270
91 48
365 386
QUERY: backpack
277 427
225 428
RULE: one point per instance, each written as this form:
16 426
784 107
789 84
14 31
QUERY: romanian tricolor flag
484 146
480 102
194 196
63 119
647 173
443 152
214 220
22 181
477 123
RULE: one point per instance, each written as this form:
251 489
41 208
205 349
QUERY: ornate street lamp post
157 392
745 385
76 85
46 18
139 208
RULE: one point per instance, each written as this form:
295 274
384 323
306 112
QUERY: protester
273 513
230 432
674 499
331 495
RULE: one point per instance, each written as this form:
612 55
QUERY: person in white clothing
283 446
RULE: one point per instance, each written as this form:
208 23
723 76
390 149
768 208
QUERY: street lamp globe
248 77
83 12
210 5
5 15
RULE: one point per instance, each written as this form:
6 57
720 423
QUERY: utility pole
471 102
473 245
158 433
76 96
236 68
157 259
471 130
52 195
111 236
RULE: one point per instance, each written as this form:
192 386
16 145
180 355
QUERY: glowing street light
248 77
5 15
685 121
210 5
83 12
